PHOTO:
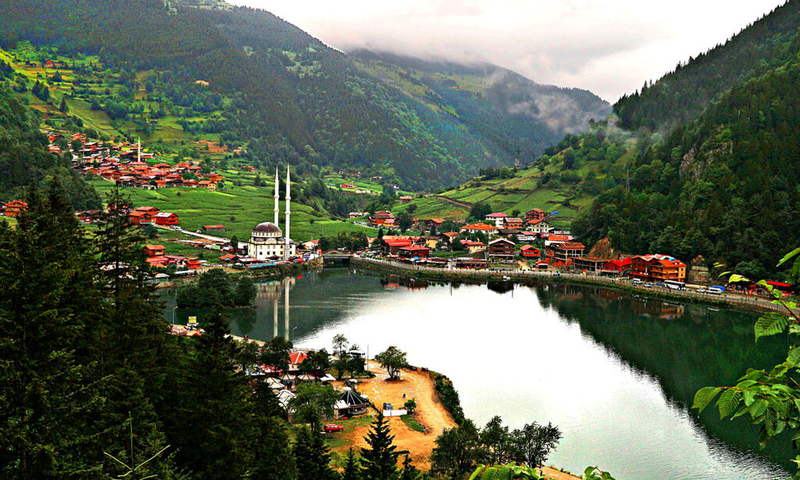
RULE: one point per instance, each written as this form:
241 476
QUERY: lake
616 372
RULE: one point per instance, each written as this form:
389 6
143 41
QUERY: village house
553 239
496 218
15 208
447 238
590 264
530 252
139 218
392 246
479 228
513 223
566 252
434 223
658 267
617 267
538 226
473 247
166 218
534 214
527 236
154 250
414 251
502 249
406 199
382 218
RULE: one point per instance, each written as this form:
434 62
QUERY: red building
617 267
413 251
140 218
658 267
166 218
154 250
534 214
15 208
392 246
529 251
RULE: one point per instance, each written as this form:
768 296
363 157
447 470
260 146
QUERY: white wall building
267 240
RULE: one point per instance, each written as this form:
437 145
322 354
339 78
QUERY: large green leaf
772 323
728 402
704 396
789 256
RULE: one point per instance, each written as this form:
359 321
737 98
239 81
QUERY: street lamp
173 314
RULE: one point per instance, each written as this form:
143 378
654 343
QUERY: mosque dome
267 228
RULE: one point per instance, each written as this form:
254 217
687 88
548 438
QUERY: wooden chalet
502 248
414 251
529 251
166 218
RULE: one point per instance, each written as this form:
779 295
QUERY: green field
239 209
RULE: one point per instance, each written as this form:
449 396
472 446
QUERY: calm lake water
616 373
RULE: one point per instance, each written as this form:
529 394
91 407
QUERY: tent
351 403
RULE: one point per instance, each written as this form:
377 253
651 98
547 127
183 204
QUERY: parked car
332 427
388 406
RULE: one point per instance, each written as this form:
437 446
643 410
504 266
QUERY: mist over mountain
287 97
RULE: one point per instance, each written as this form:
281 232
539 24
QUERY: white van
714 290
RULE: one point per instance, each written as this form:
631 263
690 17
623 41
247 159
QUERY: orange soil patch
430 412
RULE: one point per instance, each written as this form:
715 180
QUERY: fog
610 47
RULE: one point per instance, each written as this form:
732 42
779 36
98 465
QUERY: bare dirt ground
430 413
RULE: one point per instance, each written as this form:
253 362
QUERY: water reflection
615 372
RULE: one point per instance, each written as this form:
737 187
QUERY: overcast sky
607 46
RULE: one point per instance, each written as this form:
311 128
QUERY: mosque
267 240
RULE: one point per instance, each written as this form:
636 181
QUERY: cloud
610 47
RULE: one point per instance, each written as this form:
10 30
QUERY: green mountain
251 80
25 159
705 161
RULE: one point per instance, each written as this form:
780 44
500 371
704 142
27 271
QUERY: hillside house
479 228
567 252
140 218
502 248
529 251
15 208
534 214
213 228
447 238
406 199
434 223
155 250
513 223
166 218
538 226
382 218
496 218
473 247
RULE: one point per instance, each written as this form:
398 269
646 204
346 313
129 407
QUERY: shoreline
732 300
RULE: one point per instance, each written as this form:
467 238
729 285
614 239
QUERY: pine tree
409 471
379 461
312 457
352 469
50 388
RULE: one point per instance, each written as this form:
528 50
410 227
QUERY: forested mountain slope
25 160
283 94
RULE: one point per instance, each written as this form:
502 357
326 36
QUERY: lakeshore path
727 298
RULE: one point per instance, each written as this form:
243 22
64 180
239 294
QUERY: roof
528 247
214 226
152 247
164 215
558 238
416 248
397 242
478 226
504 240
570 246
497 215
514 220
297 357
622 262
265 227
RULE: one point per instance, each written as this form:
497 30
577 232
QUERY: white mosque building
267 240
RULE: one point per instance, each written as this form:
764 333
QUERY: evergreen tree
352 469
409 471
379 461
312 457
49 388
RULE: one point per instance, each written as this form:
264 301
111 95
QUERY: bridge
336 258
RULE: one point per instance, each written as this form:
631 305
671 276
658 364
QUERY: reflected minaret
288 215
277 196
286 310
274 317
